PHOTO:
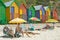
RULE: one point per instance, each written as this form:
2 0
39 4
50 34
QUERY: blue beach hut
37 8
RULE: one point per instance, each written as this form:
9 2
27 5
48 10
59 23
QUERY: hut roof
2 2
23 5
18 2
7 4
31 7
46 7
37 7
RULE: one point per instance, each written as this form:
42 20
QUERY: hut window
37 14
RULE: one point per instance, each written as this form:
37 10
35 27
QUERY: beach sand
44 35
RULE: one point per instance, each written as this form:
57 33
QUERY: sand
44 35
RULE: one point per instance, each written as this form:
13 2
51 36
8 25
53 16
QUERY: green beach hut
3 19
29 15
32 10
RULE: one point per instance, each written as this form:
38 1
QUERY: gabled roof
18 2
2 3
7 4
23 5
46 7
31 7
37 7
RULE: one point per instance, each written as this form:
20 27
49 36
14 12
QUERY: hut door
30 14
51 14
38 14
12 12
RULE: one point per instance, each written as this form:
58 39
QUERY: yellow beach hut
14 10
8 4
11 10
48 12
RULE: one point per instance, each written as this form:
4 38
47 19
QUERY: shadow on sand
5 36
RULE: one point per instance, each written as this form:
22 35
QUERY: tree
30 2
42 2
6 0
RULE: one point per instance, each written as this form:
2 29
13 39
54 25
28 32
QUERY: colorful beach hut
55 15
23 11
40 12
33 11
14 10
30 12
3 19
37 8
48 12
7 4
11 10
43 13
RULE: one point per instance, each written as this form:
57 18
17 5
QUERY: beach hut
43 13
7 4
23 11
40 12
23 8
37 8
55 15
3 19
48 12
32 10
14 10
29 14
11 10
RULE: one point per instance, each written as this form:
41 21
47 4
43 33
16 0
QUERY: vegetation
34 2
6 0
